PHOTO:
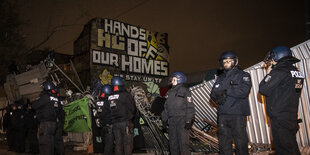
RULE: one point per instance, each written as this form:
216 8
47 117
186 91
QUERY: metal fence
258 125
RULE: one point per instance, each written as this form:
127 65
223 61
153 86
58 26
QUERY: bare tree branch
49 35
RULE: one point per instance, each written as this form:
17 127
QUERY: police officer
282 87
179 113
9 125
46 116
99 125
60 120
20 118
230 91
32 129
121 109
96 109
103 120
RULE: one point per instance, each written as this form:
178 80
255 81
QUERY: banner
77 116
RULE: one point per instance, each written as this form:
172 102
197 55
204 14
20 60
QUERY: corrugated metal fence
258 126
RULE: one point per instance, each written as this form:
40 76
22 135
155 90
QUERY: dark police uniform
102 127
121 109
20 118
106 131
9 125
282 88
231 91
46 115
60 121
32 129
178 110
96 127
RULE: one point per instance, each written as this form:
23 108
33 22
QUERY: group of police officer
115 109
50 115
44 116
281 86
114 114
20 125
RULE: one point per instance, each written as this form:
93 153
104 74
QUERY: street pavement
4 151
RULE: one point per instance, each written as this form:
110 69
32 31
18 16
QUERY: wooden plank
32 97
8 91
26 77
3 102
30 89
11 93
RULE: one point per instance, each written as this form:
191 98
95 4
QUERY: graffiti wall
132 52
106 48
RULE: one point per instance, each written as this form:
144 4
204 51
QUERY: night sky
198 30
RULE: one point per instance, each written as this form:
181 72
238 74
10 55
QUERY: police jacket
120 107
44 107
59 110
8 118
100 114
235 85
282 88
31 119
179 103
20 115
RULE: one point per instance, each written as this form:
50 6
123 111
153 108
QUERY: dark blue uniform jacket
282 88
237 85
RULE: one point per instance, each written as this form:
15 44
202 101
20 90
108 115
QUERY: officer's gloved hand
97 122
188 125
107 128
221 96
130 127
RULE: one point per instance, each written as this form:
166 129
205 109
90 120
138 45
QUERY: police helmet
181 77
105 90
229 55
278 53
48 86
117 81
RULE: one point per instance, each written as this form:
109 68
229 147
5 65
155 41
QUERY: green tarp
77 116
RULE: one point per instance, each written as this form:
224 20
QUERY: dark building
132 52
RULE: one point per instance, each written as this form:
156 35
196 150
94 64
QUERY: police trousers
33 140
232 128
108 139
123 134
284 136
59 143
20 139
178 136
46 137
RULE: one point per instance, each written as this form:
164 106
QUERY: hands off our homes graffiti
131 49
